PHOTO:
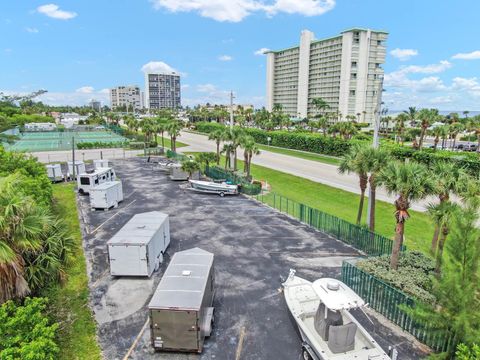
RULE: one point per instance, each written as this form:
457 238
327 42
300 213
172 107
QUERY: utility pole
231 109
376 141
73 159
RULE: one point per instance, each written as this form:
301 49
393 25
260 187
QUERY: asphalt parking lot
254 247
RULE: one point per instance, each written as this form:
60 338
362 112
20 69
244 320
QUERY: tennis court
52 140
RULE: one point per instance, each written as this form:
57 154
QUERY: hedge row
292 140
101 145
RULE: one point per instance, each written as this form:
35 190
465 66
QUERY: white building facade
343 70
162 91
128 97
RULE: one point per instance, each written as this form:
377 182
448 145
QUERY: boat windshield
336 295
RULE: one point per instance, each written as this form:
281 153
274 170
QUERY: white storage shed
137 248
54 172
100 163
106 195
88 181
79 168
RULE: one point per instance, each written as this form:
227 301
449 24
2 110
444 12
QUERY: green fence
386 300
359 237
245 186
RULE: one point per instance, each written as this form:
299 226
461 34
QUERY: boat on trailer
221 189
328 329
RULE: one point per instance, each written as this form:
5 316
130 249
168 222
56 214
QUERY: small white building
137 248
106 195
40 127
87 181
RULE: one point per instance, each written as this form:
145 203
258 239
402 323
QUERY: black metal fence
359 237
387 300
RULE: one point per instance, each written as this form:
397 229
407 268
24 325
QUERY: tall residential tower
344 70
162 91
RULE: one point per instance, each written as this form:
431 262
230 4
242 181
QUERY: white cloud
8 51
225 58
427 69
31 30
72 98
185 86
261 51
53 11
104 91
85 90
206 88
403 54
158 67
237 10
474 55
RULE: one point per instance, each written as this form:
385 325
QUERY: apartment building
162 91
344 70
128 97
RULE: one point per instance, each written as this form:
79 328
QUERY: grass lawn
344 204
69 301
302 154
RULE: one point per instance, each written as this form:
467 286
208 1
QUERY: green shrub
26 333
465 352
412 277
35 183
101 144
136 145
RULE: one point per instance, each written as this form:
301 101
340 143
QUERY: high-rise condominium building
344 70
128 97
162 91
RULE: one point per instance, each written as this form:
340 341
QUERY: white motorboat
212 187
328 329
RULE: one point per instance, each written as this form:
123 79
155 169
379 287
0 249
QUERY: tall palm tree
353 162
219 136
174 127
400 127
235 136
427 117
321 105
448 180
409 182
438 132
412 114
190 166
250 148
455 129
375 160
22 223
228 150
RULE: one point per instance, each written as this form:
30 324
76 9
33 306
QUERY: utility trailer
87 181
106 195
181 310
79 169
137 248
54 172
100 163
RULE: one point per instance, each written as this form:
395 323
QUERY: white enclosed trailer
106 195
137 248
79 168
100 163
54 172
88 181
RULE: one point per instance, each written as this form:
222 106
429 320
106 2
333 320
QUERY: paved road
308 169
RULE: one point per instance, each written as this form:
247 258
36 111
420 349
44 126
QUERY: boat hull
214 187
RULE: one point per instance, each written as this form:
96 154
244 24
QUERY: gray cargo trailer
181 312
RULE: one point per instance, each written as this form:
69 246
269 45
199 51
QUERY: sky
78 49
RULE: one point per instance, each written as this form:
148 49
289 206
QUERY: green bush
35 183
136 145
465 352
414 274
26 333
292 140
101 145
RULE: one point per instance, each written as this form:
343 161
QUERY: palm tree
250 149
375 160
22 223
190 166
400 127
353 163
235 136
448 180
174 127
321 105
228 150
206 158
412 114
409 182
438 132
218 136
427 118
455 129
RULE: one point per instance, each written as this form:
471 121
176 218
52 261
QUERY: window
379 42
84 181
352 92
354 75
354 64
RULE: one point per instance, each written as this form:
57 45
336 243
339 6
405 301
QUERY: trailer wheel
306 354
222 194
